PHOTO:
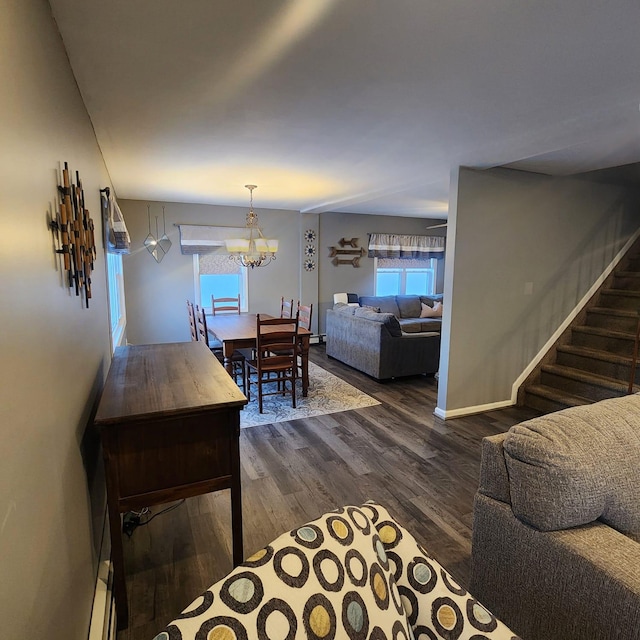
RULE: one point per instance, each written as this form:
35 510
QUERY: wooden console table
169 420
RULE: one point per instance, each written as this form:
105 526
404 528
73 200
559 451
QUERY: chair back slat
286 308
305 313
225 305
276 334
201 323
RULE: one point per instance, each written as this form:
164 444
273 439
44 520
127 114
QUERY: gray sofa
556 527
407 310
375 344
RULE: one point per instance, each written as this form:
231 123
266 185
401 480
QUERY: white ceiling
359 106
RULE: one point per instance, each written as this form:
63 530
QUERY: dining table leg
227 351
304 357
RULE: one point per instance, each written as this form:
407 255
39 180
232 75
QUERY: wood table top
160 380
239 327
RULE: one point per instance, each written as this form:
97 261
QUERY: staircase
592 360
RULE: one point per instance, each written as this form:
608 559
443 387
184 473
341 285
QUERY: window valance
204 238
389 245
118 239
217 264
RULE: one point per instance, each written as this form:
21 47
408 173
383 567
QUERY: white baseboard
469 411
103 614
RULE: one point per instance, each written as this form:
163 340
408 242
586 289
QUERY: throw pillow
436 606
431 312
328 579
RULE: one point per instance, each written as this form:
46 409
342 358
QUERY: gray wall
333 226
55 353
508 229
156 293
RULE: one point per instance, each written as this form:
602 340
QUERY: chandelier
256 250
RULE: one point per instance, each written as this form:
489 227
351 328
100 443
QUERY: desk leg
117 556
304 357
109 449
236 496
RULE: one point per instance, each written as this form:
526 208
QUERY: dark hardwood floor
424 470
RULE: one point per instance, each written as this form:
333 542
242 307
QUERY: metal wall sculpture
74 235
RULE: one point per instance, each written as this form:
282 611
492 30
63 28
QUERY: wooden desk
239 332
169 420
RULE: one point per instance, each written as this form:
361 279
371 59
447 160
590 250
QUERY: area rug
327 394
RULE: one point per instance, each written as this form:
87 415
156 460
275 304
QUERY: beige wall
54 352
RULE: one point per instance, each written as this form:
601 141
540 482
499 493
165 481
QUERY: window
395 276
117 311
217 274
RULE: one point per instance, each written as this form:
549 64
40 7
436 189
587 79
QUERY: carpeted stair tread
595 354
555 395
609 311
597 360
612 318
630 293
584 376
607 333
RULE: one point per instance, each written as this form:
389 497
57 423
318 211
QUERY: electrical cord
133 519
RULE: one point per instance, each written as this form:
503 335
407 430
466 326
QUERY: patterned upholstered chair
352 573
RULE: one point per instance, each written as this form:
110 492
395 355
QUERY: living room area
397 453
505 134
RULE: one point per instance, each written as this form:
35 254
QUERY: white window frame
403 274
244 294
115 296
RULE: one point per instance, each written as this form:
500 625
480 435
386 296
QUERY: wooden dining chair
237 360
305 313
286 308
225 305
276 357
192 321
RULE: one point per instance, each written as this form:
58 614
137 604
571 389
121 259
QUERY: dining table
239 331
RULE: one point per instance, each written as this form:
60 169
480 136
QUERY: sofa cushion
409 306
387 319
411 325
577 465
431 324
386 304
